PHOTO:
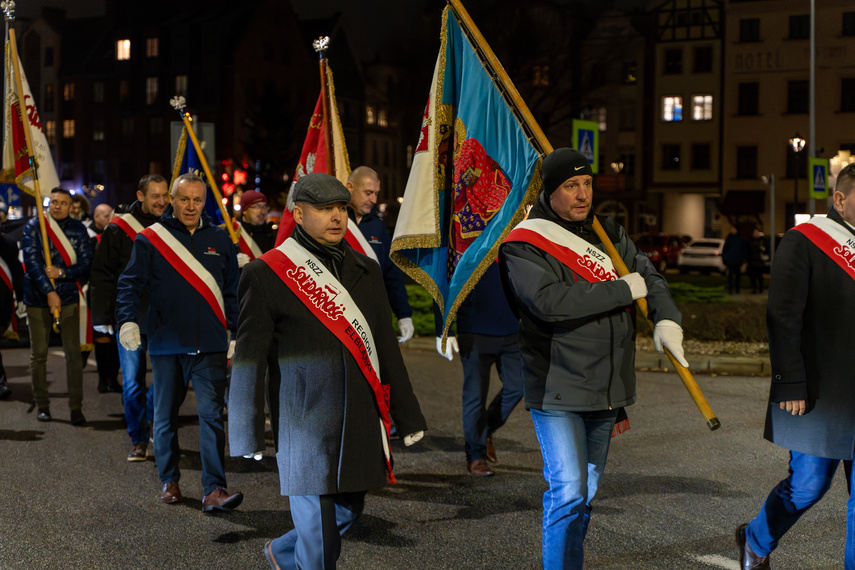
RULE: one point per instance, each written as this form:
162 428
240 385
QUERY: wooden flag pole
545 147
19 87
179 104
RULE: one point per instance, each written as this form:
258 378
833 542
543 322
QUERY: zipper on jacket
198 336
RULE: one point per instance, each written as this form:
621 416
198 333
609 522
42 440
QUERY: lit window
600 116
181 85
68 91
152 47
98 131
68 129
369 115
672 108
701 107
123 50
50 132
150 90
381 118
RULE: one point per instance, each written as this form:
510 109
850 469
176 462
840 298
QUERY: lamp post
797 143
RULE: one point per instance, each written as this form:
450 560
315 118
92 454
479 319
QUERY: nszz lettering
596 254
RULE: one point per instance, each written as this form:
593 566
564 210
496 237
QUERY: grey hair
186 177
846 180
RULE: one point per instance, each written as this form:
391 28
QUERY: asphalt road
672 494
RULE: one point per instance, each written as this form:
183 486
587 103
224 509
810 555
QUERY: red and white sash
330 302
580 256
833 239
247 244
6 275
69 256
188 267
129 224
356 239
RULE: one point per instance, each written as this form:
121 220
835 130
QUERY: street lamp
797 143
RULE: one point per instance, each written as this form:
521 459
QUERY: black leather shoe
77 418
747 559
44 415
5 391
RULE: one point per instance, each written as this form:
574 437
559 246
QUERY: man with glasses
257 235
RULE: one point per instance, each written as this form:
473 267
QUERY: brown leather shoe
137 452
171 494
490 455
479 468
747 559
220 500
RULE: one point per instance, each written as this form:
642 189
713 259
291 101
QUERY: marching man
317 308
256 234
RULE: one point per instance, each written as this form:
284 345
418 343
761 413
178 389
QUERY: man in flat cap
317 308
256 234
577 339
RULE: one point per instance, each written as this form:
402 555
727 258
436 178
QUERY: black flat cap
320 189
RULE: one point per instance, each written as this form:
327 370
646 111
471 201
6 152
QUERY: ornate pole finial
321 45
179 103
8 7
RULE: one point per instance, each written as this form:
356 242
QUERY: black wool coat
810 311
324 418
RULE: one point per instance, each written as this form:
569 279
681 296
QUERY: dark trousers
478 353
107 359
755 277
172 375
319 522
734 276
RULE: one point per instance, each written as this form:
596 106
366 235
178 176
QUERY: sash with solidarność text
356 239
329 301
833 239
579 256
247 244
69 256
129 224
188 267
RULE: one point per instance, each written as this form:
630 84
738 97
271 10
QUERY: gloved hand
129 336
669 334
405 326
104 329
243 259
231 351
636 283
257 456
450 347
21 310
413 438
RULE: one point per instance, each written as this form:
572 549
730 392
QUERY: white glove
405 326
129 336
450 347
231 351
669 334
21 310
413 438
243 259
104 329
636 283
257 456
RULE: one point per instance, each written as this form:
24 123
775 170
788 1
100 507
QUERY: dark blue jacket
36 282
179 319
485 311
375 233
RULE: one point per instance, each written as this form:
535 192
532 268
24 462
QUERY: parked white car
702 254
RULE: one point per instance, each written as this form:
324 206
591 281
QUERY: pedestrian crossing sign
586 139
819 178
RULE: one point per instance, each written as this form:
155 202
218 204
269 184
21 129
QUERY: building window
98 92
627 118
49 57
124 90
703 59
701 156
673 61
123 50
847 94
155 127
629 73
181 85
50 132
369 115
746 162
98 131
848 24
749 30
68 91
749 98
49 96
628 160
540 76
68 129
701 107
152 47
672 108
382 121
800 27
797 96
150 90
670 157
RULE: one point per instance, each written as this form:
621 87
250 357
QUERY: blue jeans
172 375
138 402
478 353
808 480
319 522
574 447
